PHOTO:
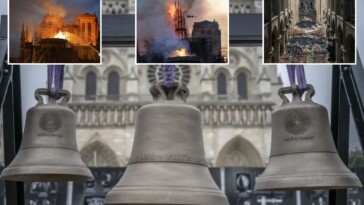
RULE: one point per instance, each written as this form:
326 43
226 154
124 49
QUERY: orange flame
171 11
60 35
181 52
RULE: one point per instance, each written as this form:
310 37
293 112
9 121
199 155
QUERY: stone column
277 49
284 31
338 49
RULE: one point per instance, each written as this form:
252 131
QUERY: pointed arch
98 154
221 84
239 152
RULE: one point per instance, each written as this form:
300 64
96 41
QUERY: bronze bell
167 163
303 154
48 151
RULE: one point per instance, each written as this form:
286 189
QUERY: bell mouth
156 197
161 183
308 182
46 173
321 170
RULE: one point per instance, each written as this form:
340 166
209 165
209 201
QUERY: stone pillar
277 50
284 39
338 49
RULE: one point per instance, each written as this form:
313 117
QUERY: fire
171 11
60 35
181 52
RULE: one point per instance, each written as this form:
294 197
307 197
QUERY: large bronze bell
48 151
303 154
167 164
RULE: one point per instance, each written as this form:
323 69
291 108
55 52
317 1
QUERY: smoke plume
53 8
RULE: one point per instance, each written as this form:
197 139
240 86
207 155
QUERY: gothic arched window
91 86
221 84
242 86
113 86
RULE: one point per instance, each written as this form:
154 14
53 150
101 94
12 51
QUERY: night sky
31 12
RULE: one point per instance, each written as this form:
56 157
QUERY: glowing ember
60 35
181 52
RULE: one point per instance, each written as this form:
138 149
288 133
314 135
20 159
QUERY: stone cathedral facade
236 101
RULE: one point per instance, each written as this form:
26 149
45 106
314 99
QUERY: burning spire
180 21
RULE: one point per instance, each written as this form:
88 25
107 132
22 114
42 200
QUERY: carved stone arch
85 70
239 152
112 68
101 154
245 70
222 70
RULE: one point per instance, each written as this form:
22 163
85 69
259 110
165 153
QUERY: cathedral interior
309 31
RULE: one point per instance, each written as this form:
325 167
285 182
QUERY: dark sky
31 12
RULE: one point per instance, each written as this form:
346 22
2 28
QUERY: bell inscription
185 158
50 122
297 122
295 138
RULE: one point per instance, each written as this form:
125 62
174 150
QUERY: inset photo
309 32
182 32
54 31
